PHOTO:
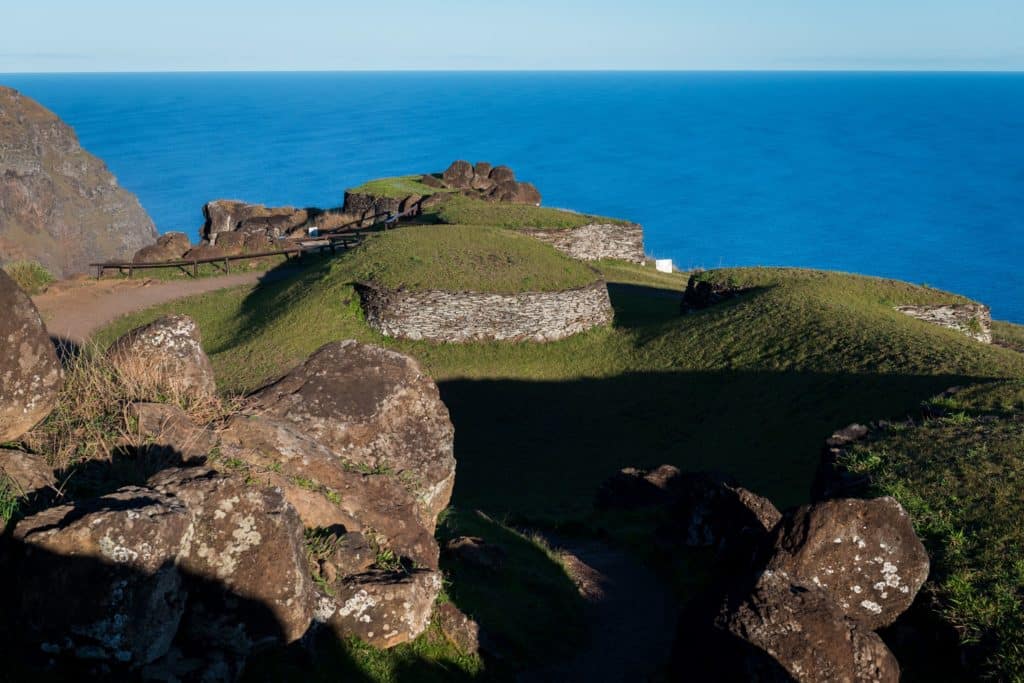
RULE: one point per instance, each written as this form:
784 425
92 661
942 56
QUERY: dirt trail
73 310
632 617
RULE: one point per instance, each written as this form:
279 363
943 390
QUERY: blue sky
117 35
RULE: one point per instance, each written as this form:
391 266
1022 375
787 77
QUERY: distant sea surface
913 176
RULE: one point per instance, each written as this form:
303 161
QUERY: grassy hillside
459 209
960 477
461 258
751 388
1008 335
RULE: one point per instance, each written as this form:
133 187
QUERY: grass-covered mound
961 477
462 210
461 258
398 187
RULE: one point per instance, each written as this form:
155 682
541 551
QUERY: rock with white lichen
165 358
97 580
863 553
381 608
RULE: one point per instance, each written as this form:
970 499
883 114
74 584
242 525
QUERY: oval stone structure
30 374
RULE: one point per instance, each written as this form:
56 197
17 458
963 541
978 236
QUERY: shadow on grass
539 450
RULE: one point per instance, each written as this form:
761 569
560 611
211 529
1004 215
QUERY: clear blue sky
143 35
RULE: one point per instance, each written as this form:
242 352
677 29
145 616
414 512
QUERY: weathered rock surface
98 580
165 356
226 215
374 408
166 426
596 241
59 205
245 541
28 474
442 316
380 608
327 491
796 632
863 553
459 628
974 320
30 374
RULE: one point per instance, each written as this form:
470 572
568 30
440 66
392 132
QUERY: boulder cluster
484 181
311 504
798 596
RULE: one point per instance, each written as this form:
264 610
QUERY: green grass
1008 334
749 388
961 478
459 258
462 210
30 276
399 187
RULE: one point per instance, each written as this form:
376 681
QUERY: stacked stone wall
596 241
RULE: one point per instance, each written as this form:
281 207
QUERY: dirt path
632 617
73 310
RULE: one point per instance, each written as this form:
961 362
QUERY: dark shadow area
539 450
67 350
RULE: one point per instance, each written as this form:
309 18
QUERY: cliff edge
60 205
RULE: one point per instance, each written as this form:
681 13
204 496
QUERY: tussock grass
90 422
31 276
960 478
463 210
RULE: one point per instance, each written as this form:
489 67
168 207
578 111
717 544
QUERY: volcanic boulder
375 409
227 215
27 474
30 374
97 580
863 553
782 630
165 357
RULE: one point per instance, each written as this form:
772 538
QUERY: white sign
313 231
663 265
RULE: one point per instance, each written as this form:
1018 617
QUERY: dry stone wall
974 320
597 241
442 316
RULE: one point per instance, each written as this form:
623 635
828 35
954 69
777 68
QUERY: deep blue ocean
913 176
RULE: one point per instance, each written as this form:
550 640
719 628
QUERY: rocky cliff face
59 205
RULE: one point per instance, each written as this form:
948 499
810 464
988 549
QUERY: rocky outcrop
596 241
59 205
441 316
165 357
30 374
28 475
497 183
703 292
227 215
376 410
974 320
863 553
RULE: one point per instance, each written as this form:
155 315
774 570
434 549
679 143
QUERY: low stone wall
974 320
442 316
597 241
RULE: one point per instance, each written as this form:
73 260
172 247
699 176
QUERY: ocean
916 176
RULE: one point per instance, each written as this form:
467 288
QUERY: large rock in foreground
378 411
30 374
245 541
863 553
165 356
97 580
794 632
59 205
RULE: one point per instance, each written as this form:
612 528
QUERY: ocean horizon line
894 70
